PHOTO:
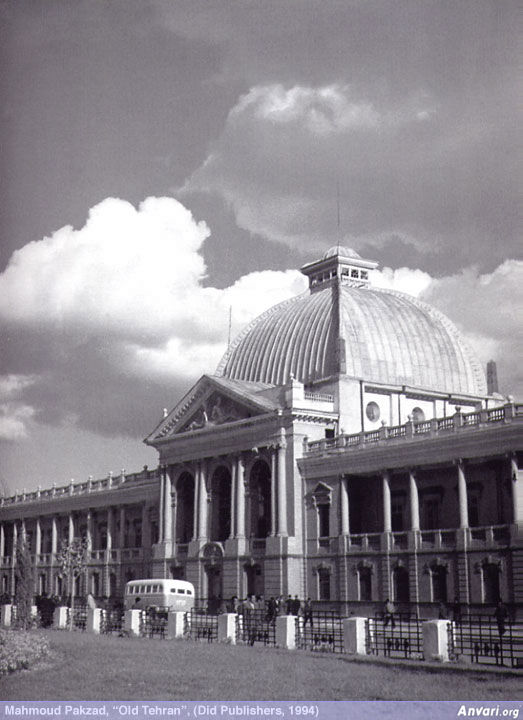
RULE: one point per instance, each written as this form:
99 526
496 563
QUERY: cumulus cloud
14 414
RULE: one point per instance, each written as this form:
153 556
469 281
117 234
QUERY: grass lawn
87 667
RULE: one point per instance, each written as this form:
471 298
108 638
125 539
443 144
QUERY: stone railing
318 397
111 482
459 422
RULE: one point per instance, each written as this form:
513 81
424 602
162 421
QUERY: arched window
401 584
221 504
439 583
260 499
491 592
185 508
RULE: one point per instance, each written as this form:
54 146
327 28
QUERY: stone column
38 538
234 480
344 506
274 488
70 534
162 501
414 501
54 536
121 534
462 497
202 502
387 516
167 506
2 541
109 540
89 532
517 491
174 501
240 497
146 528
281 530
196 505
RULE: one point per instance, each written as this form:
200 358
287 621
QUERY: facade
345 449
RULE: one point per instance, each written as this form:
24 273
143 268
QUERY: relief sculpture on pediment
216 410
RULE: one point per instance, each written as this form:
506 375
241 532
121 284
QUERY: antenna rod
338 210
230 323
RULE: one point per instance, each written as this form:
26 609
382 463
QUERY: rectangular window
365 578
397 515
324 581
324 520
354 273
432 521
473 503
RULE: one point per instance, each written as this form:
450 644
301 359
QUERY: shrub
19 649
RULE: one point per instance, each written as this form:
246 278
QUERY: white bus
159 593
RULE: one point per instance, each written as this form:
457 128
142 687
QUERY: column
202 502
234 481
274 488
344 505
282 488
121 534
146 527
167 505
70 536
54 536
109 539
162 500
89 533
196 504
462 496
387 517
240 497
414 501
2 541
517 491
38 538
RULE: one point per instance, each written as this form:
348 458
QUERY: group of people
272 607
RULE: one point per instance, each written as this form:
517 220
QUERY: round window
418 415
373 411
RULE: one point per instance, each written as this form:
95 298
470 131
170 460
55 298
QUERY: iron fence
322 632
255 626
201 625
399 636
153 622
112 621
479 639
79 617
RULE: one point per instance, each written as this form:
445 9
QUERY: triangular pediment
212 402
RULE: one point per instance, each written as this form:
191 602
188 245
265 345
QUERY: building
346 449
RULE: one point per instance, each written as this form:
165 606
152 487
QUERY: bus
159 593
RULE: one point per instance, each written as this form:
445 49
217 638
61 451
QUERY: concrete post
354 635
175 625
227 628
6 612
132 621
94 620
60 618
436 640
286 632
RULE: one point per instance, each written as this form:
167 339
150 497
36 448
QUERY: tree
23 583
72 559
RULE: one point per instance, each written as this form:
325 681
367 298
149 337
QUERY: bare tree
72 559
24 583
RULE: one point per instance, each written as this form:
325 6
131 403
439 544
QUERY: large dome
377 335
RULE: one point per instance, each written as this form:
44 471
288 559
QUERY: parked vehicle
159 593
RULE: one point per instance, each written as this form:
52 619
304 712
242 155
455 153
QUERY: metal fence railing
479 639
153 622
255 626
399 636
321 632
79 615
112 621
201 625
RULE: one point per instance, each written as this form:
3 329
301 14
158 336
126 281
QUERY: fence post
132 621
436 640
175 625
60 617
286 631
94 620
6 615
227 628
354 635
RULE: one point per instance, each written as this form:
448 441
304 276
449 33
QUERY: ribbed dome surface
389 338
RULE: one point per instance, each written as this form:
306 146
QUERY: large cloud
439 178
108 324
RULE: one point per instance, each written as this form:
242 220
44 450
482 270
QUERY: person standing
388 615
307 613
501 614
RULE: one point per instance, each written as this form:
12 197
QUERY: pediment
212 402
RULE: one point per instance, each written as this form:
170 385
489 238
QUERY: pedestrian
307 612
442 611
248 619
295 606
388 615
501 614
271 610
288 605
456 610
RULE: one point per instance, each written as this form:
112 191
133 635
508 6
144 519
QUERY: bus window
181 592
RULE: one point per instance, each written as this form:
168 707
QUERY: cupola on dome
343 325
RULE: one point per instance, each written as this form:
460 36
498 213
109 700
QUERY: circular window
373 411
418 415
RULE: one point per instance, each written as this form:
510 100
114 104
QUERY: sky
163 162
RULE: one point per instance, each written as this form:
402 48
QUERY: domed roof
378 335
343 251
